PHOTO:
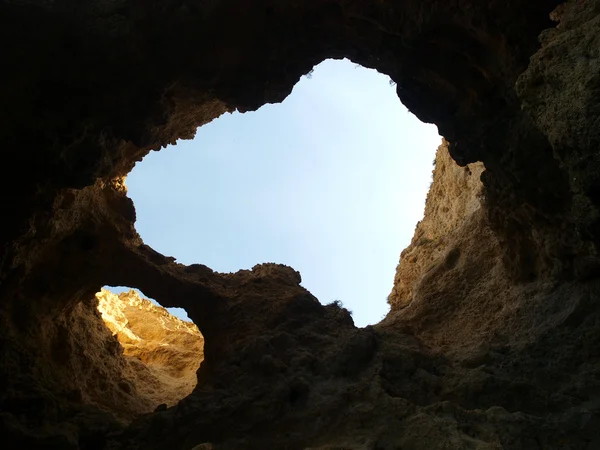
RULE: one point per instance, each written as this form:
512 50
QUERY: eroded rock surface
492 341
170 349
455 195
65 382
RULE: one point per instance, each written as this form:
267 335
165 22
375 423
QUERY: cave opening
162 349
473 355
330 182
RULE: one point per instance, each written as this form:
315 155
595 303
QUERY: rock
171 349
493 335
456 193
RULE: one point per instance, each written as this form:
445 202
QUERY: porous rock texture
454 196
163 350
490 344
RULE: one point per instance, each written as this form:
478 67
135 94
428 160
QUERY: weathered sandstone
454 197
493 335
170 349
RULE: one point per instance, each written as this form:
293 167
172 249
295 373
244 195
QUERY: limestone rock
493 338
170 348
455 195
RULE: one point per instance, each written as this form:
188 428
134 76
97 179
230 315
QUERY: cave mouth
330 182
161 351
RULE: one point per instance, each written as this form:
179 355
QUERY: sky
332 182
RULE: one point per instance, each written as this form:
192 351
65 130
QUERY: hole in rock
162 348
180 313
330 182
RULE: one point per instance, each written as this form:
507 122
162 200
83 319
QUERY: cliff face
454 197
79 369
163 351
65 382
492 340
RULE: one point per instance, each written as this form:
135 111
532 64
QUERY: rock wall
89 380
455 195
170 349
492 339
65 382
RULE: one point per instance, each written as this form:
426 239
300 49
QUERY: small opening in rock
162 350
180 313
331 182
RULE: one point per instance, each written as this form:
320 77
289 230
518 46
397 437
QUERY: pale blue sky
331 182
